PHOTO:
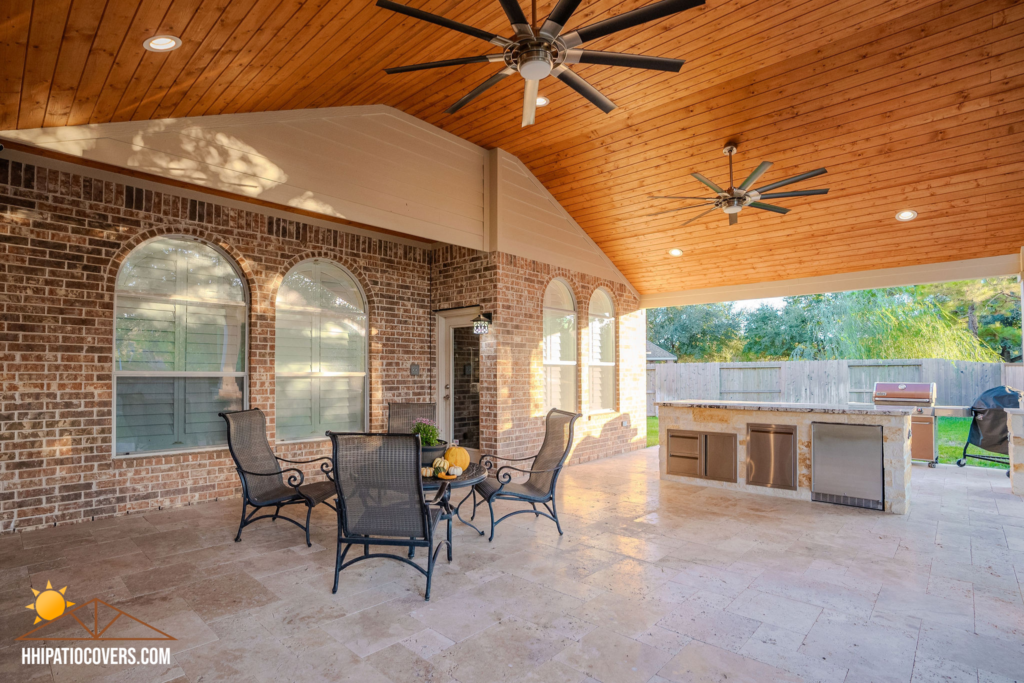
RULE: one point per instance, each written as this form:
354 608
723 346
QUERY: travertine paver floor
653 581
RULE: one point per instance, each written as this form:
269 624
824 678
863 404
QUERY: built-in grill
923 426
904 394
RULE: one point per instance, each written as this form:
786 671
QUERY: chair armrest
506 477
327 467
294 480
489 461
440 493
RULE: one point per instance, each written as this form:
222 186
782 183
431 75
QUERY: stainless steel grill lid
904 393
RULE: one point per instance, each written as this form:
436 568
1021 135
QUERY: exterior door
453 391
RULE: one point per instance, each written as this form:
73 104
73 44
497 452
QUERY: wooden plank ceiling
909 104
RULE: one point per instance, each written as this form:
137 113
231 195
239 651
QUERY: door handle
446 397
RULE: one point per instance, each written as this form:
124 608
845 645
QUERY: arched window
602 352
320 352
179 346
559 347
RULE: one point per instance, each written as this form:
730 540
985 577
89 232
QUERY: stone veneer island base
733 417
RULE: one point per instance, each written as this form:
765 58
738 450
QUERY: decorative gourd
445 476
454 470
440 466
427 471
456 455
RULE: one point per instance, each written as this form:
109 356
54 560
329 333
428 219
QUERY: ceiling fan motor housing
534 60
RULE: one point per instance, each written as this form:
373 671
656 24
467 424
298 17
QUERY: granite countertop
792 407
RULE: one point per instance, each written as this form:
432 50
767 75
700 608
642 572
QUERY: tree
774 334
703 332
888 323
990 308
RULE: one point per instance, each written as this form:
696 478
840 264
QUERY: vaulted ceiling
912 104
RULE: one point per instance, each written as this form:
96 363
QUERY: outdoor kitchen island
862 453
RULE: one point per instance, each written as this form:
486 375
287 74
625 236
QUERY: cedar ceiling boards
909 104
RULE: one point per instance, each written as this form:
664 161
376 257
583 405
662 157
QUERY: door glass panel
466 387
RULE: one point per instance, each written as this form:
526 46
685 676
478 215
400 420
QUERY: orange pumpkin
457 456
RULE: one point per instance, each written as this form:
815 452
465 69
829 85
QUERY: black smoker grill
989 429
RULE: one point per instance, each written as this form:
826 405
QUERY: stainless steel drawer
683 453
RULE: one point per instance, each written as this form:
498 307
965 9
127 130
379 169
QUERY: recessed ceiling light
162 43
675 252
906 215
543 101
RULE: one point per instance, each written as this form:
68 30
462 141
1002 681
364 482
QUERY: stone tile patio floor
653 581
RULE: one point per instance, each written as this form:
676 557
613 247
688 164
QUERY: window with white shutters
602 352
179 346
320 352
559 347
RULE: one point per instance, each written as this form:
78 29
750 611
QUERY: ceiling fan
735 199
547 51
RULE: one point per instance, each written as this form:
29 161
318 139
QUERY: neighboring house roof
655 352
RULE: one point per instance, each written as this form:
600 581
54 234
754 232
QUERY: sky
751 304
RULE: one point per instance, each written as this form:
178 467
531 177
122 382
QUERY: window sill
176 451
596 413
304 439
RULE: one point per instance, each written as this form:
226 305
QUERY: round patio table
471 476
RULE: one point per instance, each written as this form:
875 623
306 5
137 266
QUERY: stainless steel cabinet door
771 456
720 456
846 460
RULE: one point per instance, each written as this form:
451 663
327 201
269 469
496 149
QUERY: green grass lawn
952 435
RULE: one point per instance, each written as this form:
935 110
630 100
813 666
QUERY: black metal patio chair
263 482
402 416
380 500
539 487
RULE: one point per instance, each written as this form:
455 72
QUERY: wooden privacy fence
823 381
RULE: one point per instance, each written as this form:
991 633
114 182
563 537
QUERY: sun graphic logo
50 603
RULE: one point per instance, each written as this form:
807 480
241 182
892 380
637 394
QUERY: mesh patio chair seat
539 487
263 480
380 500
402 416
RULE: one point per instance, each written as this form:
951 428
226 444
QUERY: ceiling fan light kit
548 51
736 198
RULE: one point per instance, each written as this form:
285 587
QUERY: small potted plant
431 446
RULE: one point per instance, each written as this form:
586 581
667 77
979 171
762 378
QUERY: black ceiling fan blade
640 15
734 218
794 179
758 172
516 17
578 56
558 18
700 215
714 188
681 208
577 83
699 199
478 90
795 193
441 21
445 62
768 207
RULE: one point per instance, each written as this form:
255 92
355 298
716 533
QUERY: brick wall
62 239
519 326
